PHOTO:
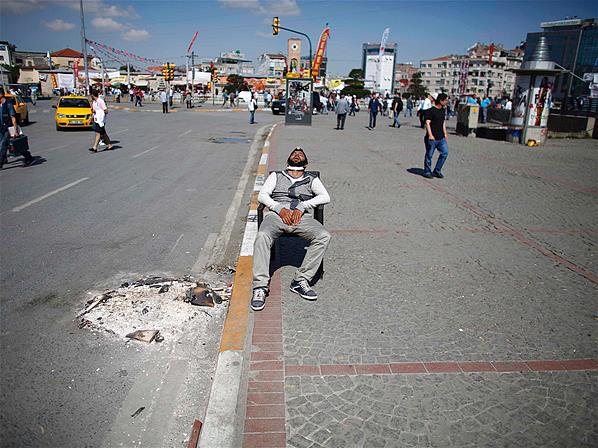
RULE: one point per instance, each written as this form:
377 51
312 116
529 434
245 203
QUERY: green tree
356 73
13 72
416 87
235 83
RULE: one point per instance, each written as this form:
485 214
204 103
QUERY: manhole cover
229 140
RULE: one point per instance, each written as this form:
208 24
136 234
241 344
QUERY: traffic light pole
308 40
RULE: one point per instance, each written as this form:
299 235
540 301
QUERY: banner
123 53
315 71
384 41
66 81
192 42
298 102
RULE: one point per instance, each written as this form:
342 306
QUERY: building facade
573 44
484 70
379 70
6 52
272 65
403 74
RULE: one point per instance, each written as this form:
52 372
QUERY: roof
441 58
67 53
276 56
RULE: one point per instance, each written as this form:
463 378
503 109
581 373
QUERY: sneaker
428 175
258 301
302 288
438 175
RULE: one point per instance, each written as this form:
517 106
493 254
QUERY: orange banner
320 52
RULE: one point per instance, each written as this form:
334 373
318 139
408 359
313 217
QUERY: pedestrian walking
436 137
170 96
397 107
99 122
252 107
8 122
353 108
189 99
291 196
484 104
409 107
138 97
224 99
232 100
342 108
374 107
164 100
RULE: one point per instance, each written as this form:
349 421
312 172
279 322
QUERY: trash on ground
144 335
138 411
156 302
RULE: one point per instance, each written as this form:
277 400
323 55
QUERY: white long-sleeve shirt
265 197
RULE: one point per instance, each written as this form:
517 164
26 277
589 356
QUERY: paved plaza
455 312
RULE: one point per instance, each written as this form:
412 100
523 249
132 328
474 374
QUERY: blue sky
162 29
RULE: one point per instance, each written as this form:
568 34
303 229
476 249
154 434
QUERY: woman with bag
99 121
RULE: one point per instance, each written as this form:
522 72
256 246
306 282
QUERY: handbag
19 145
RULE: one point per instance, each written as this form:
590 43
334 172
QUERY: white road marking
185 133
175 244
119 132
249 234
145 152
205 254
47 195
264 159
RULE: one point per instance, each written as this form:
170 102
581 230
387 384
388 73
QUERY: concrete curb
223 420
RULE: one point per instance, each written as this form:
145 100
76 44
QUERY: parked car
20 107
73 111
278 106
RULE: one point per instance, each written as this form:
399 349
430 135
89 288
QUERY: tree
235 83
416 87
13 72
355 84
356 73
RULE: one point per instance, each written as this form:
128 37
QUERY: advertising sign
66 81
298 102
540 101
520 100
320 52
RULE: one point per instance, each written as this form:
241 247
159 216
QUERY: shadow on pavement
416 171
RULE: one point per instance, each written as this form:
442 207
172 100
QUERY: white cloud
265 7
20 6
136 35
89 6
59 25
264 35
107 24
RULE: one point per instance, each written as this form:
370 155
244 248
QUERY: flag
320 51
192 42
384 41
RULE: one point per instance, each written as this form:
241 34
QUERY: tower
294 55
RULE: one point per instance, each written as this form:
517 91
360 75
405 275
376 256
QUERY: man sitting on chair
290 196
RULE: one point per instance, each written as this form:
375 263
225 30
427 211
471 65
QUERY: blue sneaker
302 288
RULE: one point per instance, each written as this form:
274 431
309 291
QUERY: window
1 57
2 47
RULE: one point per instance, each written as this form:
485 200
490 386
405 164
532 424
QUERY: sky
162 29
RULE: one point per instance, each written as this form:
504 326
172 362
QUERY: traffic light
168 71
275 26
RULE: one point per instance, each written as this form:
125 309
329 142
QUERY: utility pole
84 45
192 71
128 75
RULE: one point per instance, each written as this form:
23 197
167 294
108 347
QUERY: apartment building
484 70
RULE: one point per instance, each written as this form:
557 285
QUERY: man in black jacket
397 107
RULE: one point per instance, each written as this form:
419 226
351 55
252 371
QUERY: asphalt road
80 221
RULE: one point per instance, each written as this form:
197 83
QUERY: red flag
490 51
320 51
192 41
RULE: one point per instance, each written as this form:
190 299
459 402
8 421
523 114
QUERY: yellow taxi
20 107
73 112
